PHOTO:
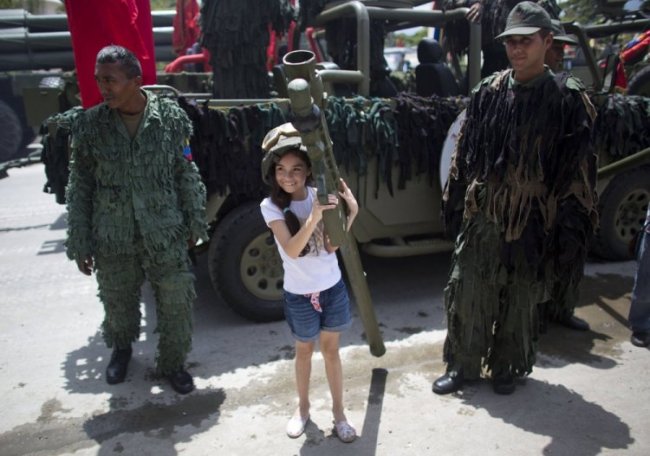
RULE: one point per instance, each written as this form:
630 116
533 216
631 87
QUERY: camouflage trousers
492 317
120 279
563 283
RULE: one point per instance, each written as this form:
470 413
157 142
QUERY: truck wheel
12 132
622 206
640 83
245 266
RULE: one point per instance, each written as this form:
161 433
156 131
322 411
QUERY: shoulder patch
187 150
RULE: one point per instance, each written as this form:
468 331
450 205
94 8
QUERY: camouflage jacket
122 190
525 158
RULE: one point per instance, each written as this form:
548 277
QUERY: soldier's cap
526 18
559 34
276 143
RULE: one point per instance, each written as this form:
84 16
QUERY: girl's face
291 174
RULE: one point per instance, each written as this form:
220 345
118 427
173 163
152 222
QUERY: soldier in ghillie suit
525 170
135 200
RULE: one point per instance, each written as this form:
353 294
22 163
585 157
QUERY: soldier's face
115 86
555 56
526 54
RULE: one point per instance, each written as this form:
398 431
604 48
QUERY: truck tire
640 83
622 207
245 266
12 133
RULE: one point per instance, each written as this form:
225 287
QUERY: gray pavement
587 395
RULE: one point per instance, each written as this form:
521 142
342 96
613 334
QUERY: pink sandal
345 432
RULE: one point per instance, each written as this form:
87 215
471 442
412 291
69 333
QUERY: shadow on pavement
604 303
144 404
574 425
316 444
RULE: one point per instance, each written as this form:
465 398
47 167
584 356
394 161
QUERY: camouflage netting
236 32
422 124
622 127
405 132
226 145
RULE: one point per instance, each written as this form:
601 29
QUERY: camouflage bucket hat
559 34
276 143
526 18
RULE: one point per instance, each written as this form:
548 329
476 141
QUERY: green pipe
631 161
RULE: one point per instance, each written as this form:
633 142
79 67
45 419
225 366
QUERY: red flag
97 23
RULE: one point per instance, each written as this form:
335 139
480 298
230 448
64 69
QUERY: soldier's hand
348 196
350 201
85 265
475 12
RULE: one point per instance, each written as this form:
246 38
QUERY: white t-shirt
316 271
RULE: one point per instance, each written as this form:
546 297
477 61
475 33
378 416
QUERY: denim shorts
306 323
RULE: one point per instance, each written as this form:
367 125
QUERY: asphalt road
587 394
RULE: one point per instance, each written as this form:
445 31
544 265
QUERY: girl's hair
282 199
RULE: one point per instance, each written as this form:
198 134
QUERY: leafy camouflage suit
523 174
132 206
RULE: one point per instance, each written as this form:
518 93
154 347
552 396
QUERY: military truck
624 190
398 188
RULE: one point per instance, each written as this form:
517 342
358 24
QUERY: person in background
555 55
639 317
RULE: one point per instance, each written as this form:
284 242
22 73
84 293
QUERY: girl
317 305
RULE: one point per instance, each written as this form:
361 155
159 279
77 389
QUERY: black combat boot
450 382
573 322
181 381
116 369
503 383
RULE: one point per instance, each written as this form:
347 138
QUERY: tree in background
32 6
402 39
589 12
163 4
582 11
